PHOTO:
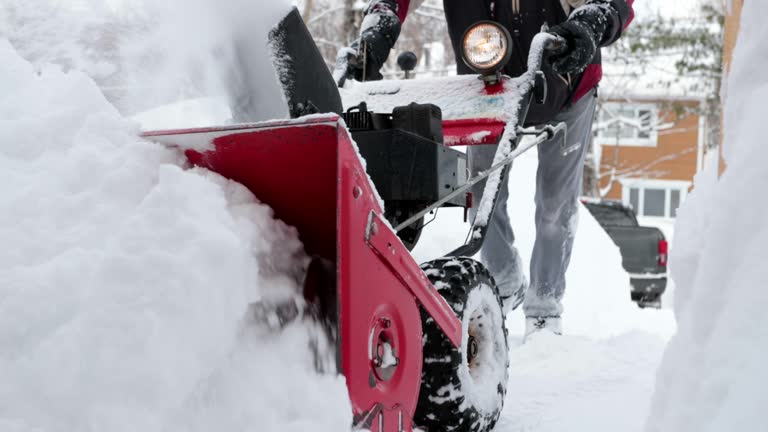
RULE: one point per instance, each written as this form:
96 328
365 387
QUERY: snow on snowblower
420 346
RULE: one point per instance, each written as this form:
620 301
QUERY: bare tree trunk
591 187
308 10
350 27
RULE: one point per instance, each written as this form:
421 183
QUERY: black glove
364 58
583 33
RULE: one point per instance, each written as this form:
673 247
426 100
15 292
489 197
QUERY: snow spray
205 48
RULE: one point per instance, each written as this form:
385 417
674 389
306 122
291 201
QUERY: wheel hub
385 356
472 349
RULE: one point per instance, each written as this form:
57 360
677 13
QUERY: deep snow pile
713 374
125 280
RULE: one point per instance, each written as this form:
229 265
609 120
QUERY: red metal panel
371 294
292 169
310 174
380 282
392 251
472 131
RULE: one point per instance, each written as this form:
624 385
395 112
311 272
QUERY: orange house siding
731 32
675 157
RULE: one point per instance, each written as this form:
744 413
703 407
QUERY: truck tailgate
639 248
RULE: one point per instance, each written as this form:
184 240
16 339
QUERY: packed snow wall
125 280
713 375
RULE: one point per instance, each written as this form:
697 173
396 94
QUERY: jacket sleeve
397 7
619 14
400 7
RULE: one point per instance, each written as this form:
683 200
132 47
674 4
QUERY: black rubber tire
647 302
455 397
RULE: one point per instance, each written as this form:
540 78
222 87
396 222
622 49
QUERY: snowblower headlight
486 47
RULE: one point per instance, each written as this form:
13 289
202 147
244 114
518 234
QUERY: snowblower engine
407 161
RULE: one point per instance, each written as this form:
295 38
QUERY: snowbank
713 374
125 280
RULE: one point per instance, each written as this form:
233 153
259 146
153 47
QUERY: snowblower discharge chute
417 344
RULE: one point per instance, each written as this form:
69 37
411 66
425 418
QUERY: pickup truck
644 250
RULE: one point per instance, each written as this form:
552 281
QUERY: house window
655 198
627 124
674 202
655 202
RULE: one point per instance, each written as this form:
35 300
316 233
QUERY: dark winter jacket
524 19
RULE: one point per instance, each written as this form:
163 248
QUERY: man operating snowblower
573 73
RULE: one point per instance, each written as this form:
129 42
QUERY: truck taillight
663 252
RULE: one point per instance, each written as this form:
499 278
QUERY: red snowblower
421 346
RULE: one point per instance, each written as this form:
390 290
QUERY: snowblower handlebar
543 44
546 133
555 43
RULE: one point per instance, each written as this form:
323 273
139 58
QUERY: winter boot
553 324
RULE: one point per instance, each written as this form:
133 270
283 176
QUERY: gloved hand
583 33
363 59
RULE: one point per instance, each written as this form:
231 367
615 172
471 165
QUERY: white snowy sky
677 8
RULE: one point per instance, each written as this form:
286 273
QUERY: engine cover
407 167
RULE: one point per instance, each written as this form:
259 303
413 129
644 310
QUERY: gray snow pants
558 187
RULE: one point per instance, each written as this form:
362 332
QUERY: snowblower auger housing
389 317
379 288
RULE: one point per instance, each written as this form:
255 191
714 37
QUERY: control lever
407 61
